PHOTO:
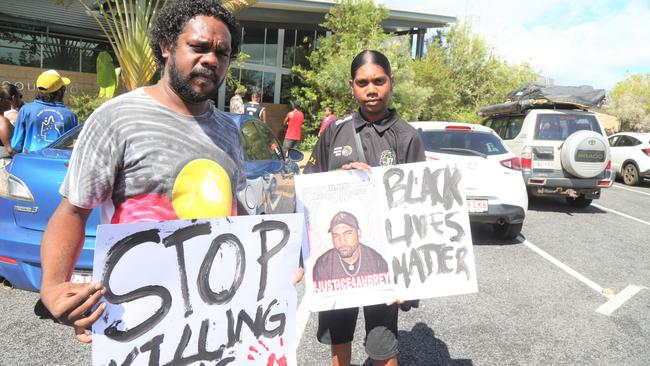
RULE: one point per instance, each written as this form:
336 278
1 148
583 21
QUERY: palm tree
126 23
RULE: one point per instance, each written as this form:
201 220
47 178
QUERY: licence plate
81 277
477 205
543 164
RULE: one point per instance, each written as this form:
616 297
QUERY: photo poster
192 292
412 215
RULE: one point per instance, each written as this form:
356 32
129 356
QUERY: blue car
29 194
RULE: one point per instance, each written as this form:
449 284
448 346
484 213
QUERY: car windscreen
258 141
443 141
561 126
67 141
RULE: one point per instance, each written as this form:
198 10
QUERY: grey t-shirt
144 162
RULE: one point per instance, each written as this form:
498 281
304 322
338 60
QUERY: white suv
563 152
631 156
493 189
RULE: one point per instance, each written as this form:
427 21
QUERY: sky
579 42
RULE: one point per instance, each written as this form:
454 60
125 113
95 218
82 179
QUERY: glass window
230 90
304 43
289 48
253 44
612 140
514 127
17 48
288 81
448 141
252 80
560 126
271 47
258 141
268 88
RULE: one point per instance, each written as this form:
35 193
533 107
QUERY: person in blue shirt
46 118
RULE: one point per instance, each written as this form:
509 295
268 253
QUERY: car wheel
630 175
578 202
507 231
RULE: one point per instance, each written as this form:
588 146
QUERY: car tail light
458 128
514 163
646 151
604 183
8 260
609 165
13 188
526 158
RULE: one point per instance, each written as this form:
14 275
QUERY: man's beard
183 84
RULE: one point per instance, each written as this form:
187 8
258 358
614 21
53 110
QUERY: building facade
36 35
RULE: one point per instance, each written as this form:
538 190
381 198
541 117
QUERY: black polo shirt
386 142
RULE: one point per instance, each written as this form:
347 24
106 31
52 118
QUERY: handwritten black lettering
177 239
264 227
257 326
203 280
153 346
113 257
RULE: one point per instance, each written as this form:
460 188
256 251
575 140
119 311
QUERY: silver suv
563 152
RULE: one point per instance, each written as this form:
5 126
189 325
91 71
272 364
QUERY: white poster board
213 291
412 215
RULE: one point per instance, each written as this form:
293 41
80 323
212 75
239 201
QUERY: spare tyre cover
585 154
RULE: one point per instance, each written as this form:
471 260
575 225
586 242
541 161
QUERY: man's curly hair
173 17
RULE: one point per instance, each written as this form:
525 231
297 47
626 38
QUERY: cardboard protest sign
213 291
399 232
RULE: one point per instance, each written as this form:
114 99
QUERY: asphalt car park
537 301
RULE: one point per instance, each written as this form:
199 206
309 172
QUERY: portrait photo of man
348 258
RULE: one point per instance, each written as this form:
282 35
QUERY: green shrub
84 105
308 142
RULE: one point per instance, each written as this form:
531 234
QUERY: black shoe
407 305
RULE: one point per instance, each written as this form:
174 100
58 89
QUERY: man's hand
357 165
298 276
72 304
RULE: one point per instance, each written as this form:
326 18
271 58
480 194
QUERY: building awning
310 14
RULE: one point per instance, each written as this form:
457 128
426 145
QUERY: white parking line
566 268
629 189
615 302
621 214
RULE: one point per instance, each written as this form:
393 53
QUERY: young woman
6 128
293 122
16 102
382 138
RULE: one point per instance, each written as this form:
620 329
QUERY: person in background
130 157
46 118
6 128
328 118
237 100
254 108
293 120
16 103
383 139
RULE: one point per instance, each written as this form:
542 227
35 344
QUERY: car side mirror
295 154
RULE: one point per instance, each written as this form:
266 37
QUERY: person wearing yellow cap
46 118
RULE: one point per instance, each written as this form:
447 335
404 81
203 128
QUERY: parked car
631 156
29 195
563 151
493 187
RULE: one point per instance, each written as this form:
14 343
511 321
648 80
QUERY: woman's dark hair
173 17
295 104
370 57
57 96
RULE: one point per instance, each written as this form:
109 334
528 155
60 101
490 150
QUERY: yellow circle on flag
202 189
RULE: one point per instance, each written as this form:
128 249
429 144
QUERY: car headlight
12 187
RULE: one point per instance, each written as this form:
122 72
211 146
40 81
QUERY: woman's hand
356 165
